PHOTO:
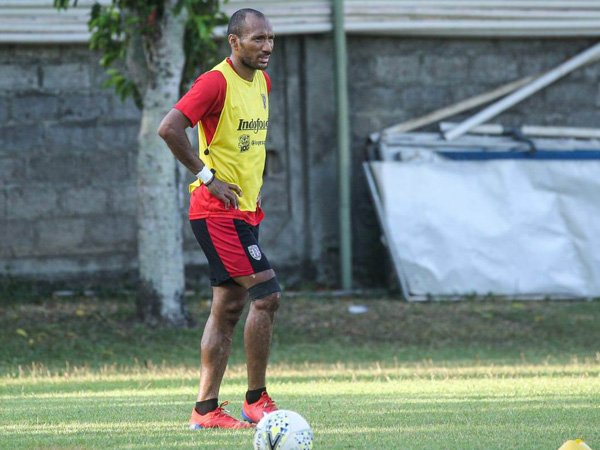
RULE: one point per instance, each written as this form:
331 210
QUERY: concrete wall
67 153
67 146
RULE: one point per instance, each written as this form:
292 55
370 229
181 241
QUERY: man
230 104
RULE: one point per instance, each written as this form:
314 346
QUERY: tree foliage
117 25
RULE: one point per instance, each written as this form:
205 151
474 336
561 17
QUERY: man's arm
172 131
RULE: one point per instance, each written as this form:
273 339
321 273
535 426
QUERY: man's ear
233 41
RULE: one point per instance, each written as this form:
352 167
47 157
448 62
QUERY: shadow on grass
59 333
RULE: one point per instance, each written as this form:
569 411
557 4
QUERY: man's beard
251 65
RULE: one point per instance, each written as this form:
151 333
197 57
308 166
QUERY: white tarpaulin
519 228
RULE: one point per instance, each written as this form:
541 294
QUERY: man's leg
227 306
258 331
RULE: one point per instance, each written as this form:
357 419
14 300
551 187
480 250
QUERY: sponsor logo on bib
244 143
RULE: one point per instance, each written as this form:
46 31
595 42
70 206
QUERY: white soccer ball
283 430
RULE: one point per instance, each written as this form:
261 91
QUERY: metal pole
524 92
456 108
343 138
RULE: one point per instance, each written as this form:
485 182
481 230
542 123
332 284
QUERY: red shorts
231 247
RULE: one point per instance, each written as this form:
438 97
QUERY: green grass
81 373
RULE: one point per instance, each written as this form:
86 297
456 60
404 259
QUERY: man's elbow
165 130
173 126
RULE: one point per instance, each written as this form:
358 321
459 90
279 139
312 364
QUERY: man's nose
268 46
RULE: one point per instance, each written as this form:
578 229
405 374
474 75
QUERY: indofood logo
255 125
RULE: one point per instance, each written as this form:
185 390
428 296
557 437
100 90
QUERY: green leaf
22 332
63 4
113 25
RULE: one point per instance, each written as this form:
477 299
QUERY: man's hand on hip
226 192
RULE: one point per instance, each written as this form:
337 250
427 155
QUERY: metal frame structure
37 22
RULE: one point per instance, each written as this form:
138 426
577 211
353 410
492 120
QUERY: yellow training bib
238 149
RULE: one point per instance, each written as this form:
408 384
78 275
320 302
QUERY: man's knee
270 303
233 309
228 308
266 295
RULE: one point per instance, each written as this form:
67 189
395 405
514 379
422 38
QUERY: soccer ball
283 430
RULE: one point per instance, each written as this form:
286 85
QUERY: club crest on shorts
255 252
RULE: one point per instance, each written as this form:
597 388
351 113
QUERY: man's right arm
172 130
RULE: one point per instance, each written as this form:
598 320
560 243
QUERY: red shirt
202 105
205 99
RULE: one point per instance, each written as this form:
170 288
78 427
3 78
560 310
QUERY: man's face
256 43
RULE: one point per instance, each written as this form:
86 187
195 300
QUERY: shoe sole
246 418
196 426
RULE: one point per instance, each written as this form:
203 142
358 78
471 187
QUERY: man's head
251 38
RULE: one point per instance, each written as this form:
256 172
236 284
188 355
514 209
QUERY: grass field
81 373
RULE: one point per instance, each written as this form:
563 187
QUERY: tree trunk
160 252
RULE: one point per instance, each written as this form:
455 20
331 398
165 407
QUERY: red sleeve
268 80
205 98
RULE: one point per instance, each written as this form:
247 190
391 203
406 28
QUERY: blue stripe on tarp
539 154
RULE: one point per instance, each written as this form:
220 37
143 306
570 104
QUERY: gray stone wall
67 151
67 146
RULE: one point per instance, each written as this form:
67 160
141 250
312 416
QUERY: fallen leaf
22 332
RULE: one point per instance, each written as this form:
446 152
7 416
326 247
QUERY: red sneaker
219 418
257 410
